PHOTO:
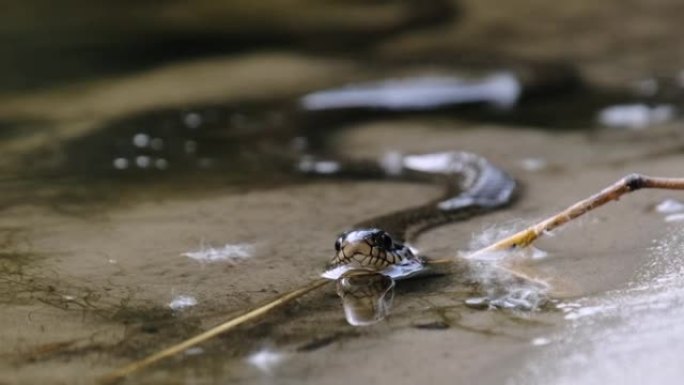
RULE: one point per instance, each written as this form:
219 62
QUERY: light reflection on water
630 336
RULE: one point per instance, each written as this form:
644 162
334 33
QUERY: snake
472 186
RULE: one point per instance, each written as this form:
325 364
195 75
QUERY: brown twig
213 332
516 241
625 185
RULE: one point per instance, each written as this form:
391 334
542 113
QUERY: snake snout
364 247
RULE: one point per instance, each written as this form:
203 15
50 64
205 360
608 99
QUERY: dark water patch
44 45
321 342
434 325
259 145
18 129
226 140
171 151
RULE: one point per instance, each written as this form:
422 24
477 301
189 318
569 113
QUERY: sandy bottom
84 294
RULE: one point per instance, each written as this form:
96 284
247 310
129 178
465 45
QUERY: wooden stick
519 240
625 185
213 332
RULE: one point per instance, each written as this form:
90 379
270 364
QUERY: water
628 336
149 188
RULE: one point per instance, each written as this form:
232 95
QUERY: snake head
369 248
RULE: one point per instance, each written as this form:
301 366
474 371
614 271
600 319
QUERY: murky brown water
108 182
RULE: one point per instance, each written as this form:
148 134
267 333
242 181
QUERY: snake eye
385 241
338 244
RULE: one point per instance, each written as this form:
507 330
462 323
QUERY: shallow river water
144 204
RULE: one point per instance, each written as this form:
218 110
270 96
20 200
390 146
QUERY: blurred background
71 69
48 44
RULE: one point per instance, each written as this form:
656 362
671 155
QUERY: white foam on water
675 217
534 164
181 302
670 206
672 209
495 233
540 341
318 166
500 286
636 116
503 289
626 337
265 360
230 253
500 89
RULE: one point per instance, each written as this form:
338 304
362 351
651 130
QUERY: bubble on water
143 161
120 163
192 120
141 140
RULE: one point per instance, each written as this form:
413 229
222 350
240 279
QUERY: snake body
473 185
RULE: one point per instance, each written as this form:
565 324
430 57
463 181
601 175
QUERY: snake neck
472 185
